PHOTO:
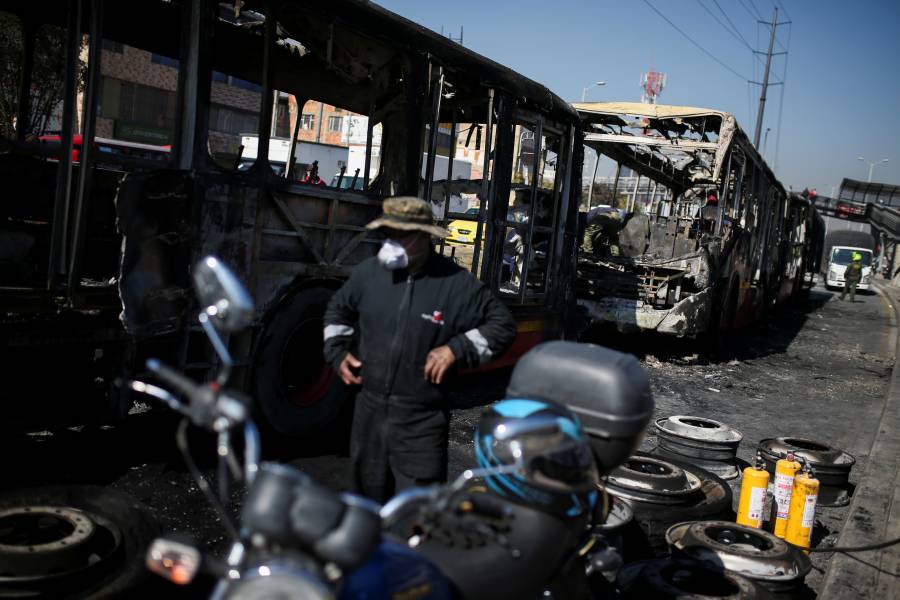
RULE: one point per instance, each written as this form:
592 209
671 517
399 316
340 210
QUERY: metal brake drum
664 579
755 554
831 465
652 480
43 543
709 444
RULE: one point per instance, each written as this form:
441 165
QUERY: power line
738 37
691 40
756 8
754 15
724 14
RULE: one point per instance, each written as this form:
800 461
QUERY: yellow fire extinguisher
785 472
754 485
802 514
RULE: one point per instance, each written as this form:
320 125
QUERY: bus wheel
296 391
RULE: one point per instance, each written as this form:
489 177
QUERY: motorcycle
527 522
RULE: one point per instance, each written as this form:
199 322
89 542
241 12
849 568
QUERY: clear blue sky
842 93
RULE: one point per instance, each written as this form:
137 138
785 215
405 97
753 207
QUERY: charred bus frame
112 244
711 250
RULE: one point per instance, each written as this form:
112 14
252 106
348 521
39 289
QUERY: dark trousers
397 442
850 286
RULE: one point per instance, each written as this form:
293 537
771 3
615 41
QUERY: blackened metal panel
155 216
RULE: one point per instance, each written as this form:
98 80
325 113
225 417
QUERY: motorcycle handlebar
206 405
176 380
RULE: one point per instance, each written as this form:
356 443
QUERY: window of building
234 121
308 121
137 113
225 119
334 123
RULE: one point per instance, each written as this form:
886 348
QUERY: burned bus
706 244
96 253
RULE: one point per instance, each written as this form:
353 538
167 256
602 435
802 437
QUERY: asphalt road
817 369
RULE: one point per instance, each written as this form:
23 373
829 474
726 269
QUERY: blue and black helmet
558 473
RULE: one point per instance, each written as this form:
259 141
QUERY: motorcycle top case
608 391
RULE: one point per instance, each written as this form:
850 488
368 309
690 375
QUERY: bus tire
296 391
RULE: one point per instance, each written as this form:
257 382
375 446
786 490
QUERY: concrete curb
875 511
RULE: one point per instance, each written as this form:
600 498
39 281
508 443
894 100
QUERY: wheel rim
44 544
305 376
753 553
647 479
831 465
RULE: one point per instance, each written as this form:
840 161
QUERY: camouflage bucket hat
409 214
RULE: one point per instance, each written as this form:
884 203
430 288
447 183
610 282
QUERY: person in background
417 315
852 276
312 174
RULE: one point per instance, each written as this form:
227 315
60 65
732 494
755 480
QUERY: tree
47 77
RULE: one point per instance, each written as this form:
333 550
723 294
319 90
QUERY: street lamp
871 165
585 89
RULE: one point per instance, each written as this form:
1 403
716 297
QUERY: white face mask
393 256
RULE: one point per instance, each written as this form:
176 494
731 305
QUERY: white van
840 257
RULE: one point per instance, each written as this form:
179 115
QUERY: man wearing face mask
416 314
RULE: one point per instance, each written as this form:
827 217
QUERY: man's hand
436 364
347 376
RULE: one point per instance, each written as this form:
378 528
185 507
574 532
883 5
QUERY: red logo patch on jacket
436 317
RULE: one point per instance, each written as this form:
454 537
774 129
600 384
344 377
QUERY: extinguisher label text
809 511
757 500
783 485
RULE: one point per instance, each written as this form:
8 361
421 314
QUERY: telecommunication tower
652 82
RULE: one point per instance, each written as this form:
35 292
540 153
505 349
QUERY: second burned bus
699 236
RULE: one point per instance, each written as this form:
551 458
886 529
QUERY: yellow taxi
462 231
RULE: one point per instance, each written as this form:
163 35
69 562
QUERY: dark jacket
400 318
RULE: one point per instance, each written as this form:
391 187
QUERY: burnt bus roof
342 44
395 30
680 146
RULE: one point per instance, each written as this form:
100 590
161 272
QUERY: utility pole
765 81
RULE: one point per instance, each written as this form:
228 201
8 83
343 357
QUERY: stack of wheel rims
706 443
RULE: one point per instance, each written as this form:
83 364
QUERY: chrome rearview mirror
223 299
224 306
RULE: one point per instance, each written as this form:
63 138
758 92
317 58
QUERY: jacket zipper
398 336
